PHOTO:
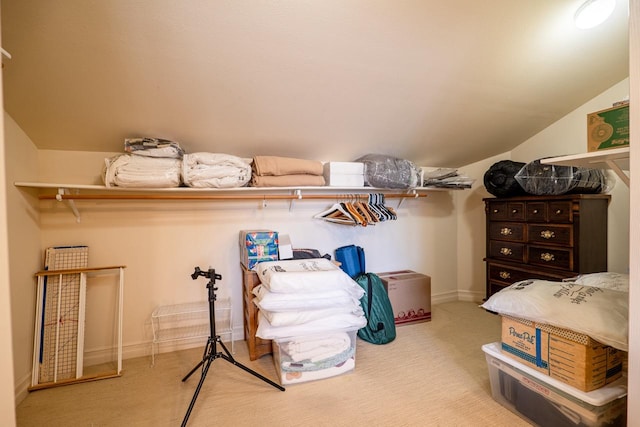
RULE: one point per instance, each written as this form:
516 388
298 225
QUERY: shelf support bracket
616 168
70 202
411 192
298 196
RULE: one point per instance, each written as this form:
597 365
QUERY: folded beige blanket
277 166
302 180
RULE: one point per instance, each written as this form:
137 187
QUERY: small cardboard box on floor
565 355
410 295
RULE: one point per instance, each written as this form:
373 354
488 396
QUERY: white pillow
273 301
303 275
291 318
337 322
607 279
599 313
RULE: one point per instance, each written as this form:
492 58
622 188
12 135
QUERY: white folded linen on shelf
215 170
126 170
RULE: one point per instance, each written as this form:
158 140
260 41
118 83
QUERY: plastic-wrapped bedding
215 170
382 171
500 179
548 180
126 170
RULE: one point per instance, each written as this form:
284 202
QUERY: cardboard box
608 128
547 402
257 246
344 174
410 295
565 355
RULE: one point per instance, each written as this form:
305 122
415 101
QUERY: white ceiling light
593 13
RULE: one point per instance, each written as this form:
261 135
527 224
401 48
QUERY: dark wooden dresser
544 237
257 346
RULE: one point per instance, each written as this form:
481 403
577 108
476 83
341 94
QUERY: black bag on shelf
500 180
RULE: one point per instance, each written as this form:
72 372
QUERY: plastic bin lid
597 397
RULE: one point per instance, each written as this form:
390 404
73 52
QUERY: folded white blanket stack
215 170
301 297
130 170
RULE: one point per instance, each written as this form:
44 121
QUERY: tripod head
209 274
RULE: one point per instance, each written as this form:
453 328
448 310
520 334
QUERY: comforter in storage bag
380 327
549 180
500 179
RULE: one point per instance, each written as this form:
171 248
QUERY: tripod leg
205 356
195 395
229 358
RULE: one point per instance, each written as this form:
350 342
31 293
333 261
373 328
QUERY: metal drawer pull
514 211
506 231
535 211
505 275
506 251
496 211
547 234
558 212
546 256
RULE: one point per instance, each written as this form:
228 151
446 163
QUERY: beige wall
7 391
24 242
471 230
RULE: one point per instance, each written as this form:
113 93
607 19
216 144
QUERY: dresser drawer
507 250
511 231
550 234
507 275
537 211
550 257
560 211
506 211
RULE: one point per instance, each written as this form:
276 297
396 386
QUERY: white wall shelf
616 159
72 192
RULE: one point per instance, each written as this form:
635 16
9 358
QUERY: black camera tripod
210 351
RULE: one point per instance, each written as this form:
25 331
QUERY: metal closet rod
344 196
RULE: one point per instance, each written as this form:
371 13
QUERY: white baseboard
471 296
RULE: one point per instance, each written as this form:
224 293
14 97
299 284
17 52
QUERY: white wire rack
187 321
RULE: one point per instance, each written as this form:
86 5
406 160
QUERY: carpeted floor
433 374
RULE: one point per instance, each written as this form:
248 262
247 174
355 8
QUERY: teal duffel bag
380 327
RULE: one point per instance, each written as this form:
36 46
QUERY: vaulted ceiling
442 83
